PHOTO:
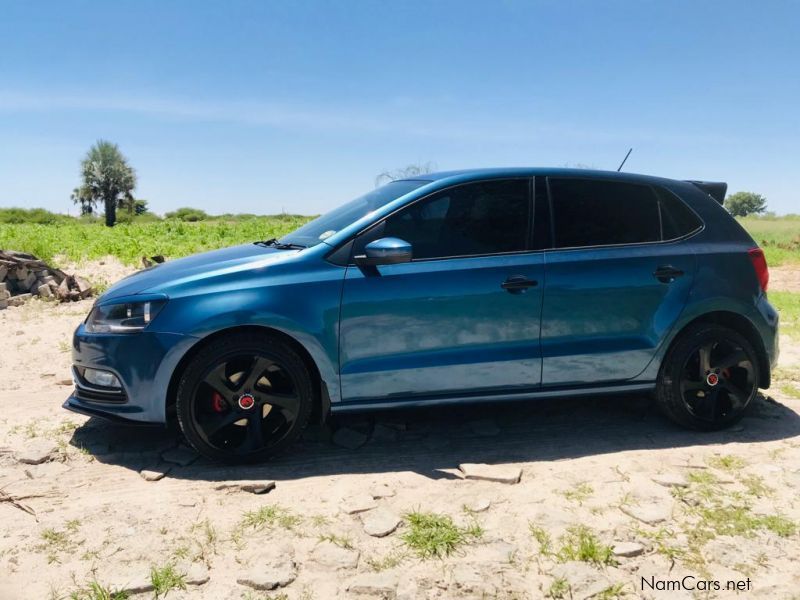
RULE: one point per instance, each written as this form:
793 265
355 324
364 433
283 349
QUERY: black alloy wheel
244 398
708 378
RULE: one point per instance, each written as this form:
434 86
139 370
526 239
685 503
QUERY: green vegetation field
778 236
73 240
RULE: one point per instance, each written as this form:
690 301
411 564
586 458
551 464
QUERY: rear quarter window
677 219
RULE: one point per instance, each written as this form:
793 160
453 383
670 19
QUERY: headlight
128 317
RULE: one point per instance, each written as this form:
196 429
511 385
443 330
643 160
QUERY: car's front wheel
708 378
244 398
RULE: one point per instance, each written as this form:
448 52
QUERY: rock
381 491
583 580
627 549
650 512
44 291
349 438
469 579
484 427
269 576
19 299
194 574
478 505
498 473
380 522
254 487
381 433
328 554
375 585
358 503
671 480
155 473
180 455
37 452
84 288
3 304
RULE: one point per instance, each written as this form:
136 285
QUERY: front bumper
143 362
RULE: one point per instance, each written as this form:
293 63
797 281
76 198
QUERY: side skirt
422 401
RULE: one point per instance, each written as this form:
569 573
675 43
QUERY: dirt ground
613 500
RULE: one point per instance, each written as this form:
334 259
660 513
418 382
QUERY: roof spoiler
715 189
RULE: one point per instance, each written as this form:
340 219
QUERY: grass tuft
165 579
432 535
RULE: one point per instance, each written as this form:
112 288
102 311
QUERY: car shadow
434 441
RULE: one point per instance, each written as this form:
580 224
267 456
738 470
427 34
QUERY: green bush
187 214
32 215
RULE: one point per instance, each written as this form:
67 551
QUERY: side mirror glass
385 251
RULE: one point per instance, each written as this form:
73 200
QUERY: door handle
667 273
518 284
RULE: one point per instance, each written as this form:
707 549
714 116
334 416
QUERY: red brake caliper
217 403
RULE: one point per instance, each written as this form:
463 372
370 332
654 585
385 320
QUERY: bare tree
406 172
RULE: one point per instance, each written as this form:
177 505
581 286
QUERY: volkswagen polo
471 286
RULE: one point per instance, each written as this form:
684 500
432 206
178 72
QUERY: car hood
195 267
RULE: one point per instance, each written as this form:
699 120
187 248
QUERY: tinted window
598 213
323 227
677 219
479 218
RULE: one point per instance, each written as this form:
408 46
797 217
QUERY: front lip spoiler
75 405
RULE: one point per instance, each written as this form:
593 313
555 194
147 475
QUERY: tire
697 388
244 398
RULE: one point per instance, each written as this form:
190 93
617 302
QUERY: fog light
101 378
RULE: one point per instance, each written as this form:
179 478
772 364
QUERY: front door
462 318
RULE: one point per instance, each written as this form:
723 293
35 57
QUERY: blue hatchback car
470 286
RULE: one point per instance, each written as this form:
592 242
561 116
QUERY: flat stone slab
269 576
36 452
349 438
181 456
584 580
671 480
478 505
627 549
253 487
155 473
328 554
498 473
651 513
358 503
380 522
381 491
374 585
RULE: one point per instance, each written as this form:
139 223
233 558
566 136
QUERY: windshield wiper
275 243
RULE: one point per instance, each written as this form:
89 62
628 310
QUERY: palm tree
82 196
107 178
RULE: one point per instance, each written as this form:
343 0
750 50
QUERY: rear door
463 317
617 278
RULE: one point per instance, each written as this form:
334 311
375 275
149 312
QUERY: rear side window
599 213
677 219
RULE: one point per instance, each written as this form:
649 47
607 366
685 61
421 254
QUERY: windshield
325 226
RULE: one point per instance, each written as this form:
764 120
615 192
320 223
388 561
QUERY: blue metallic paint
439 331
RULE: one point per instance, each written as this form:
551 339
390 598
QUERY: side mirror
385 251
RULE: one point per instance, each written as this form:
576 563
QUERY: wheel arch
741 325
321 408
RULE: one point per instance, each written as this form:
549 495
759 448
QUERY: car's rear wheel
708 378
244 398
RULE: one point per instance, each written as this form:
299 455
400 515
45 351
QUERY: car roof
491 173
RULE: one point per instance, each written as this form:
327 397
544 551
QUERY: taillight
760 265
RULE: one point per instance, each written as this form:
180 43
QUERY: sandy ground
721 506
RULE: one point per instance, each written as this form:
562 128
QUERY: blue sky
297 106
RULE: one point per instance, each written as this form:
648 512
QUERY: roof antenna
624 159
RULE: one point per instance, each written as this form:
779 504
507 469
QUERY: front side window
321 228
489 217
599 213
